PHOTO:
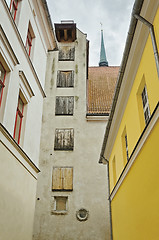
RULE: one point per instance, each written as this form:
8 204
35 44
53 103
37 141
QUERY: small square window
60 205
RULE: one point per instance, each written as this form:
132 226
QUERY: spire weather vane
101 26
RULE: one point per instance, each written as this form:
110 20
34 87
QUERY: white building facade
25 37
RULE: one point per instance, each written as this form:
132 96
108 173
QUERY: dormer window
66 31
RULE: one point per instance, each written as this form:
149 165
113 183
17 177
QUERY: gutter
133 23
105 161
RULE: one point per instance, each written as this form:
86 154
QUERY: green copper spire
103 60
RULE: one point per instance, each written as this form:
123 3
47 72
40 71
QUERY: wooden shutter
64 105
65 78
66 54
64 139
57 181
68 178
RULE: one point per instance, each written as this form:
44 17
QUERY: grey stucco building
72 187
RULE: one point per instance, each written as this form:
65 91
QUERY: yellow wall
135 207
133 118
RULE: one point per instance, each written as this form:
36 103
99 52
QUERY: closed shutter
57 181
64 105
64 139
68 178
65 79
66 54
62 179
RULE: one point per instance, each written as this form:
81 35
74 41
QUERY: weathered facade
72 186
25 37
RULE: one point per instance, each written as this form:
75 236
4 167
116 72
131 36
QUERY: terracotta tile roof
100 89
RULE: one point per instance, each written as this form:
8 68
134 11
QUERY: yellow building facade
130 145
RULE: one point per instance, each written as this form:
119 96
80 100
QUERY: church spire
103 60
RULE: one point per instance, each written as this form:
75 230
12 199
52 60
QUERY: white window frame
54 208
145 103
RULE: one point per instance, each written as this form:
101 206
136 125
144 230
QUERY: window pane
17 128
61 203
20 105
1 87
29 38
146 114
144 97
12 11
2 73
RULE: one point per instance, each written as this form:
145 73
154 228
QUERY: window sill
54 212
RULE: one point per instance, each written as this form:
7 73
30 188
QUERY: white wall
18 172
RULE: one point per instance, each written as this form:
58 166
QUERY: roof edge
132 27
46 9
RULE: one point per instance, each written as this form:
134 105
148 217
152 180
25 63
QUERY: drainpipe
153 38
105 161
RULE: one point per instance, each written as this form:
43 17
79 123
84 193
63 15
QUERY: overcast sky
87 14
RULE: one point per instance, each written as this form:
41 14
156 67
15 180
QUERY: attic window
65 32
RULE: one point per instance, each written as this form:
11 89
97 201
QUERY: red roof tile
100 89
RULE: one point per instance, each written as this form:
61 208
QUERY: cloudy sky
113 14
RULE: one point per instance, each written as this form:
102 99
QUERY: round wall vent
82 214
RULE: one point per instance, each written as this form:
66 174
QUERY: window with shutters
62 179
66 54
64 105
64 139
65 79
